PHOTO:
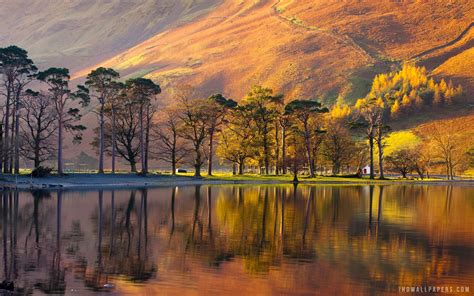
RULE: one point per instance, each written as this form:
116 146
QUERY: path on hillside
447 44
346 39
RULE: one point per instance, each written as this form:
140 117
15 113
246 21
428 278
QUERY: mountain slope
79 33
301 48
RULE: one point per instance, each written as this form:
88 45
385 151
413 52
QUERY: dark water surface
242 240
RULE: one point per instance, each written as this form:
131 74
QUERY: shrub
41 172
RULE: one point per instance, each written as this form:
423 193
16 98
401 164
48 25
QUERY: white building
366 170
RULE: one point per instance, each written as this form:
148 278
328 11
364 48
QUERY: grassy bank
289 178
124 180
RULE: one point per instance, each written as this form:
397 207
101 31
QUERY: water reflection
270 239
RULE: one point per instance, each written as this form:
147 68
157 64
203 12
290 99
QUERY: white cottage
366 170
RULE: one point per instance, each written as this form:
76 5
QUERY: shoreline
122 181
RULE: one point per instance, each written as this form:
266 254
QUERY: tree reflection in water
379 237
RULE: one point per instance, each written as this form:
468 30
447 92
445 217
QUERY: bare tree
449 149
338 147
170 147
402 161
125 138
194 118
39 128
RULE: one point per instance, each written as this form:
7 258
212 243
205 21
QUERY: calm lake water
244 240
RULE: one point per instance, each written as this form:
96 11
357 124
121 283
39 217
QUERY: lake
242 239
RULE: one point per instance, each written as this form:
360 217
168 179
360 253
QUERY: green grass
289 178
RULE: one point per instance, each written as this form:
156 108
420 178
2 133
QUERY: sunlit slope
79 33
459 68
238 45
397 29
301 48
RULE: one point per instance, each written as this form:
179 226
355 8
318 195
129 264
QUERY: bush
41 172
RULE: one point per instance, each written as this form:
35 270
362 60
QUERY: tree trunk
266 153
133 167
101 139
60 145
234 168
142 141
197 163
283 149
37 156
308 150
295 173
7 131
336 168
447 170
310 160
209 165
380 146
1 150
17 138
113 139
12 141
371 152
17 132
295 164
147 136
173 160
277 149
37 140
241 166
451 172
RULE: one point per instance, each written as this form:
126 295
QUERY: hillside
80 33
300 48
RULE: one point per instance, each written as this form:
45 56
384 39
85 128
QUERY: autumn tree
411 88
303 113
218 106
238 138
57 80
402 161
422 161
260 106
296 157
101 86
449 149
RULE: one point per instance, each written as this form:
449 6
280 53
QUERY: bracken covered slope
301 48
80 33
